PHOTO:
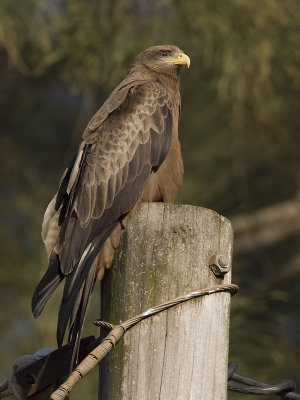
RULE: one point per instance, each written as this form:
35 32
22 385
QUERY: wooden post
181 353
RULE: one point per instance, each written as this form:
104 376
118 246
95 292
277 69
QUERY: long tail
78 287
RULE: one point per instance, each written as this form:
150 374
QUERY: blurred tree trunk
266 226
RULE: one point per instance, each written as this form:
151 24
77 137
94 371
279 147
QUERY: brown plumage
129 153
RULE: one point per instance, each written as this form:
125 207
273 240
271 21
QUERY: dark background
240 137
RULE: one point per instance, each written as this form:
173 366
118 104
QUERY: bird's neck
169 80
163 75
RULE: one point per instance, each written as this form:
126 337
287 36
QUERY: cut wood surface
181 353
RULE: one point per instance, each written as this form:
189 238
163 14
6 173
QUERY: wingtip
46 286
36 311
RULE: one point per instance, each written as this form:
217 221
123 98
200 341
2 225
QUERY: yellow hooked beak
182 59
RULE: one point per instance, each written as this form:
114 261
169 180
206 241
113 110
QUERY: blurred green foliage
239 131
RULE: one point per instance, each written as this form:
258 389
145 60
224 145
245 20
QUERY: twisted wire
117 331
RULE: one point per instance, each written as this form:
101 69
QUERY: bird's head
165 59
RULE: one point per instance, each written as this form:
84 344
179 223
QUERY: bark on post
181 353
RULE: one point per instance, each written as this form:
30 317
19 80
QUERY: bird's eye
164 53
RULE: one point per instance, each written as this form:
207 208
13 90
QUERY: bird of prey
130 152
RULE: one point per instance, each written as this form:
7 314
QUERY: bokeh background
240 136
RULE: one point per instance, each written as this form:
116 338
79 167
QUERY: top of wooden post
181 353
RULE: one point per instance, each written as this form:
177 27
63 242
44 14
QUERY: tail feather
81 278
77 323
74 283
47 285
79 284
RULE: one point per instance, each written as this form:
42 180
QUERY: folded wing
122 145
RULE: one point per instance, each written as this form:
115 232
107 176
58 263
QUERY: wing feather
101 199
125 141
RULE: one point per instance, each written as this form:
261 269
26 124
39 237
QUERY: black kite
129 153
